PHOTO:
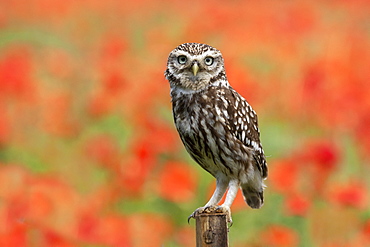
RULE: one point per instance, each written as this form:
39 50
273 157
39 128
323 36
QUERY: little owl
217 126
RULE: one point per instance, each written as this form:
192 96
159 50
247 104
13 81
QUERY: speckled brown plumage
217 126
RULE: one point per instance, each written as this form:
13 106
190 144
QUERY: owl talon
213 209
196 212
209 209
190 216
193 214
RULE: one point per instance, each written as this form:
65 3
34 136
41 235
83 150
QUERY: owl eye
208 61
182 59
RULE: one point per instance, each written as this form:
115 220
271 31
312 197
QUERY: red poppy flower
297 205
283 176
352 194
177 182
277 235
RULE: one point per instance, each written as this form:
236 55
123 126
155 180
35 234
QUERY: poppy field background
89 155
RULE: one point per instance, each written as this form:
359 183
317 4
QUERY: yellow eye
182 59
208 61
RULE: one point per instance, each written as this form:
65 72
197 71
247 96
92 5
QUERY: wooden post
211 230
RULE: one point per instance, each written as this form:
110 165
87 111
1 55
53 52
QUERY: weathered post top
211 230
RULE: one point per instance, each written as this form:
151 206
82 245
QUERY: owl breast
202 122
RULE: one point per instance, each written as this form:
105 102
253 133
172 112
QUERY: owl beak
195 68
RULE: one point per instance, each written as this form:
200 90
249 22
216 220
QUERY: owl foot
196 213
202 210
213 209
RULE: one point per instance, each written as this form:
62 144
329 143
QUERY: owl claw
196 212
213 209
191 216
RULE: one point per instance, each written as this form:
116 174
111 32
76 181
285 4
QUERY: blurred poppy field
89 155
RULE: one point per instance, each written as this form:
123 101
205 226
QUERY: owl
217 126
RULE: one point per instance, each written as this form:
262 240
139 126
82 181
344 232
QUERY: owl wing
243 123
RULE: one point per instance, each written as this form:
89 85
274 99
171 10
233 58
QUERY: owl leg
221 186
230 196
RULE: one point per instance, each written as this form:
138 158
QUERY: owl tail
252 197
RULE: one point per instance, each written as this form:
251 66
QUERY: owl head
193 67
